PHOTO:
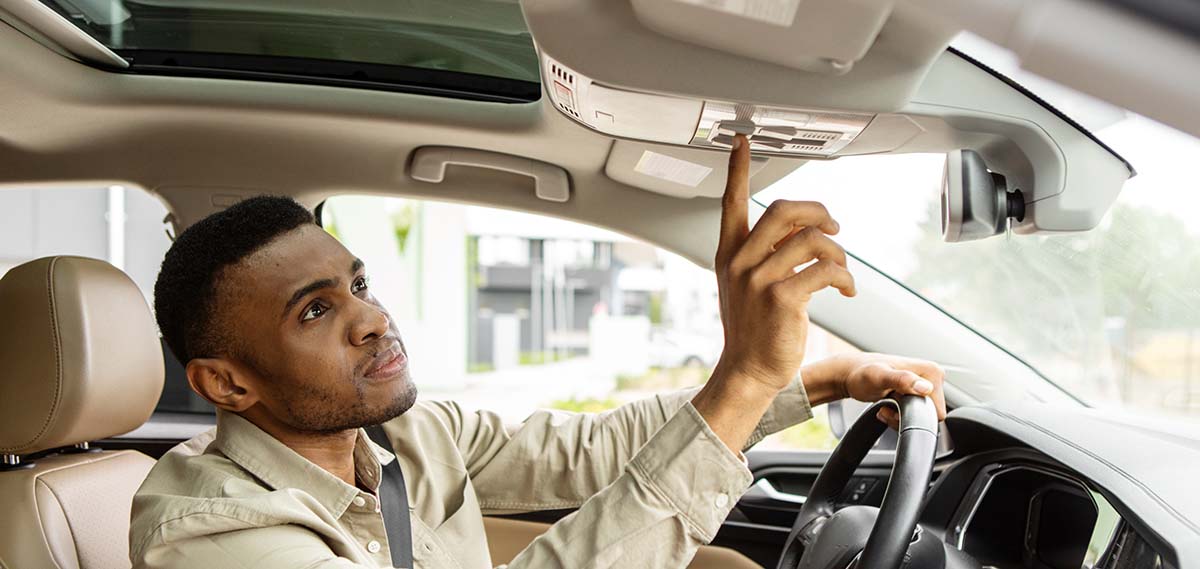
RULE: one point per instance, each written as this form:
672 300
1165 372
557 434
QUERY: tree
1076 306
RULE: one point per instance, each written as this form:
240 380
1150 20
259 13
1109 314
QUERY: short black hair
185 294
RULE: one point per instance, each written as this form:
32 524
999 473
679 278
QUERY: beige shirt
650 480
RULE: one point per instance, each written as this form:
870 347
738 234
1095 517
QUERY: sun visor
818 36
865 56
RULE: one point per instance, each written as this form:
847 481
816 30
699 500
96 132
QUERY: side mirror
844 412
976 202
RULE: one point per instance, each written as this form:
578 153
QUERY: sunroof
476 49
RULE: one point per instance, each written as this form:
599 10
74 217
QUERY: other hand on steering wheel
864 536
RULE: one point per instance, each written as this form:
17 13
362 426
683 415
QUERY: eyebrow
314 286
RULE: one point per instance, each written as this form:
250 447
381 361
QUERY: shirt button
360 501
373 546
722 500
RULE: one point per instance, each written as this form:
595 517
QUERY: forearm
586 452
670 499
578 454
824 381
733 404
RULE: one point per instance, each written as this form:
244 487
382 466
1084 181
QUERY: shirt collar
279 467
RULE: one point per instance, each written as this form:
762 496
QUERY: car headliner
200 142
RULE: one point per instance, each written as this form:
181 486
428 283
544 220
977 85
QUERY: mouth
387 364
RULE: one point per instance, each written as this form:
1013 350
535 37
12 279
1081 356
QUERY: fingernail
923 387
737 142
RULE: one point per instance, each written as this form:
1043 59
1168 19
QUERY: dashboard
1037 487
1017 509
1018 486
1026 516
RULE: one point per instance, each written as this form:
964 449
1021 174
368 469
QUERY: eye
314 311
359 285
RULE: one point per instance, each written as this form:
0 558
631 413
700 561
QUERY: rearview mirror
976 202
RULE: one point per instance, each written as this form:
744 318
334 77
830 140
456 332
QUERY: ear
218 381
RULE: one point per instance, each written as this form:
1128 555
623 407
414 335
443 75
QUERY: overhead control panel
776 130
703 123
816 79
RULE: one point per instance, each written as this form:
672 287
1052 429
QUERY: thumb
907 382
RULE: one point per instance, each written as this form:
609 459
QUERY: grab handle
550 182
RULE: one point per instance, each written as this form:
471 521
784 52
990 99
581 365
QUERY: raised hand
764 300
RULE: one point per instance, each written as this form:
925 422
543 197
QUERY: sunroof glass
477 49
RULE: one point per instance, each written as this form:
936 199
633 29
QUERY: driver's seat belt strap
393 500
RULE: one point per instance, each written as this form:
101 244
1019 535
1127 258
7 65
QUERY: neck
334 452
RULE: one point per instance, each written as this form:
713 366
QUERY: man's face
322 353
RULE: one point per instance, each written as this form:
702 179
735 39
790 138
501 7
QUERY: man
277 326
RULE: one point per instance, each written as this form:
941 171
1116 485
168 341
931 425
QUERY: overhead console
675 80
784 131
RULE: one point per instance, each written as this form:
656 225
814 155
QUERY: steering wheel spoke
808 535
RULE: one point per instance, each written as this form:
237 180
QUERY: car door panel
507 537
782 480
758 527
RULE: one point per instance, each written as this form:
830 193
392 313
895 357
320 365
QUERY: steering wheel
863 536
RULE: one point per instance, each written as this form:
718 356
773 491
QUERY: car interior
618 114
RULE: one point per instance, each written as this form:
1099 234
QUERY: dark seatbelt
393 500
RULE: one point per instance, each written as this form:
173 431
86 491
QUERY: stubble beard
316 411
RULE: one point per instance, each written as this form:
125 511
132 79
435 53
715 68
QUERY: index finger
735 222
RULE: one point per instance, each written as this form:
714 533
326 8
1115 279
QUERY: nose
370 323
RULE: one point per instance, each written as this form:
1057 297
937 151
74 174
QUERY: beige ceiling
199 142
188 139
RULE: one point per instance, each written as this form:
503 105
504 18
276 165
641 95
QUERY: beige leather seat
79 361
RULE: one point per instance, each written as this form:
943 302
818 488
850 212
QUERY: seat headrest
79 354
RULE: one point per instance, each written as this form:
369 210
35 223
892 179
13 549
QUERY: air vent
564 89
562 74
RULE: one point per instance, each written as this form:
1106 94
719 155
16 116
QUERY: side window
815 434
513 312
123 226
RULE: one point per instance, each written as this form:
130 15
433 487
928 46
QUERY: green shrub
588 405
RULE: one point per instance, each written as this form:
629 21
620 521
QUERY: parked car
679 348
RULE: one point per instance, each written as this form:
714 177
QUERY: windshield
1111 315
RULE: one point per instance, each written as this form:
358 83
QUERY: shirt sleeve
273 547
557 460
671 498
